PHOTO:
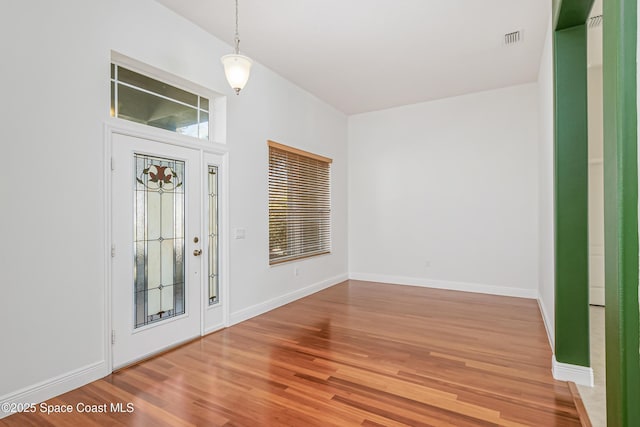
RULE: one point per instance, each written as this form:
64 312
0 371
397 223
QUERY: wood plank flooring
359 353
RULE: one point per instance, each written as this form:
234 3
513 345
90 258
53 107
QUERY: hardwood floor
359 353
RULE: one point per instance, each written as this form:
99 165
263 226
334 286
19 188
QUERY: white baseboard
56 386
548 325
263 307
580 375
448 285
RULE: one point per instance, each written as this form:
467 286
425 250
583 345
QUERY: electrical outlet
427 263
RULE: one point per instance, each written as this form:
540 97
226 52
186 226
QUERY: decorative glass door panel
213 236
159 242
158 283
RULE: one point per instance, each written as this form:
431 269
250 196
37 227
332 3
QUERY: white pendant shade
237 69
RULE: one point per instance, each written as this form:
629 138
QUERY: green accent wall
621 213
569 13
571 196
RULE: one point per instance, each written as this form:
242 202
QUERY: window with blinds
299 204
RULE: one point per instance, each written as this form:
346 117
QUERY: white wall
546 255
55 100
445 193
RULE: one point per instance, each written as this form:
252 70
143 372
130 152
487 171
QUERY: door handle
197 252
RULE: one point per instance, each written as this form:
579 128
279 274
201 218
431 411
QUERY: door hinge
113 251
113 336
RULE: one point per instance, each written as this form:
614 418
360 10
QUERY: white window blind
299 204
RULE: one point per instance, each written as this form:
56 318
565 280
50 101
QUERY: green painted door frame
621 199
571 183
621 212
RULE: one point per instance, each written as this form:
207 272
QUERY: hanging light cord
237 37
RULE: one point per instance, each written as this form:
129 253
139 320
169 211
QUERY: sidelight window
214 279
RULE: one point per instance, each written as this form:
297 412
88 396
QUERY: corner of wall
548 324
580 375
546 264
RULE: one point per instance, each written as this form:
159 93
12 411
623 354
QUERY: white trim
547 324
580 375
138 130
263 307
108 245
479 288
213 328
203 277
56 386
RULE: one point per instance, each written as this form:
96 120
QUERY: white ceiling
366 55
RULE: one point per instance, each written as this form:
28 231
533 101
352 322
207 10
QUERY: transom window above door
142 99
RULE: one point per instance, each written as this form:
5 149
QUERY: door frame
119 126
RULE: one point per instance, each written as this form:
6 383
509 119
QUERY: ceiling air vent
595 21
513 38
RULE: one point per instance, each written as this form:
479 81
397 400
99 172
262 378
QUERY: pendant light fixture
236 67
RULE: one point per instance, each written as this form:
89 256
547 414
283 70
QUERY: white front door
158 268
